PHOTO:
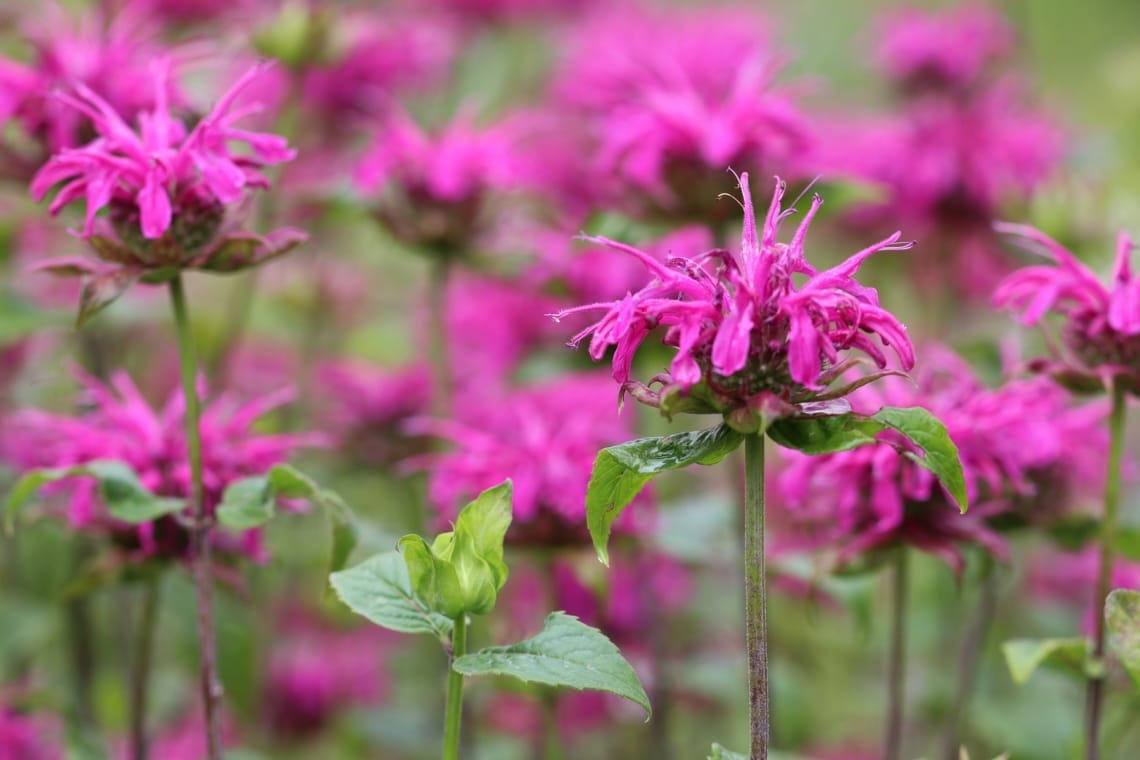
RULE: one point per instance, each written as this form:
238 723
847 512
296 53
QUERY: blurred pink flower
1101 331
430 188
1071 578
365 407
678 98
946 49
740 323
544 437
121 425
316 671
109 55
1013 441
28 736
183 740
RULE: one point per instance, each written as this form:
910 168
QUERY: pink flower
741 325
28 736
1013 441
121 425
431 188
676 100
1071 578
544 437
365 407
316 671
949 49
1101 329
162 173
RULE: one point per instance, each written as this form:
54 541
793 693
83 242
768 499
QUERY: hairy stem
969 658
755 596
1107 557
140 673
455 691
199 528
896 663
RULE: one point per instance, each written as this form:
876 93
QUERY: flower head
27 736
544 438
676 100
432 187
1012 441
1101 332
121 425
949 49
745 332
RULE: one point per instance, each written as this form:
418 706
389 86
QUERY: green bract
462 571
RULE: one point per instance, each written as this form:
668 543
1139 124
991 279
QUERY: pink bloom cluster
742 325
316 670
28 736
1014 442
121 425
1102 322
431 187
675 99
163 174
544 437
950 49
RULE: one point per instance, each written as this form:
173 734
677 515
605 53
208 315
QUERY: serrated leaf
940 454
288 482
1024 656
824 434
566 653
620 472
1122 619
247 503
380 590
122 493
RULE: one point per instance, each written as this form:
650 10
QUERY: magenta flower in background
950 49
1013 441
364 407
121 425
675 100
1100 335
316 671
166 187
29 736
1070 578
544 438
748 337
430 188
184 739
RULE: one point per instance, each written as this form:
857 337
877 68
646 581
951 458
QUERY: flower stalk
455 690
140 673
896 663
1095 692
199 528
755 596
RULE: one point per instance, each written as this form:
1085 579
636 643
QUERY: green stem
455 691
1107 559
437 343
896 664
553 737
140 674
755 595
199 528
969 658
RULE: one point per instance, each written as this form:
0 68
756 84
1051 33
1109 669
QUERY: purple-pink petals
744 331
1101 330
121 425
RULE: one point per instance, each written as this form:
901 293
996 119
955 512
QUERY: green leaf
434 579
379 589
620 472
288 482
1122 618
247 503
720 753
1075 532
1024 656
567 652
940 455
824 434
125 497
1128 542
